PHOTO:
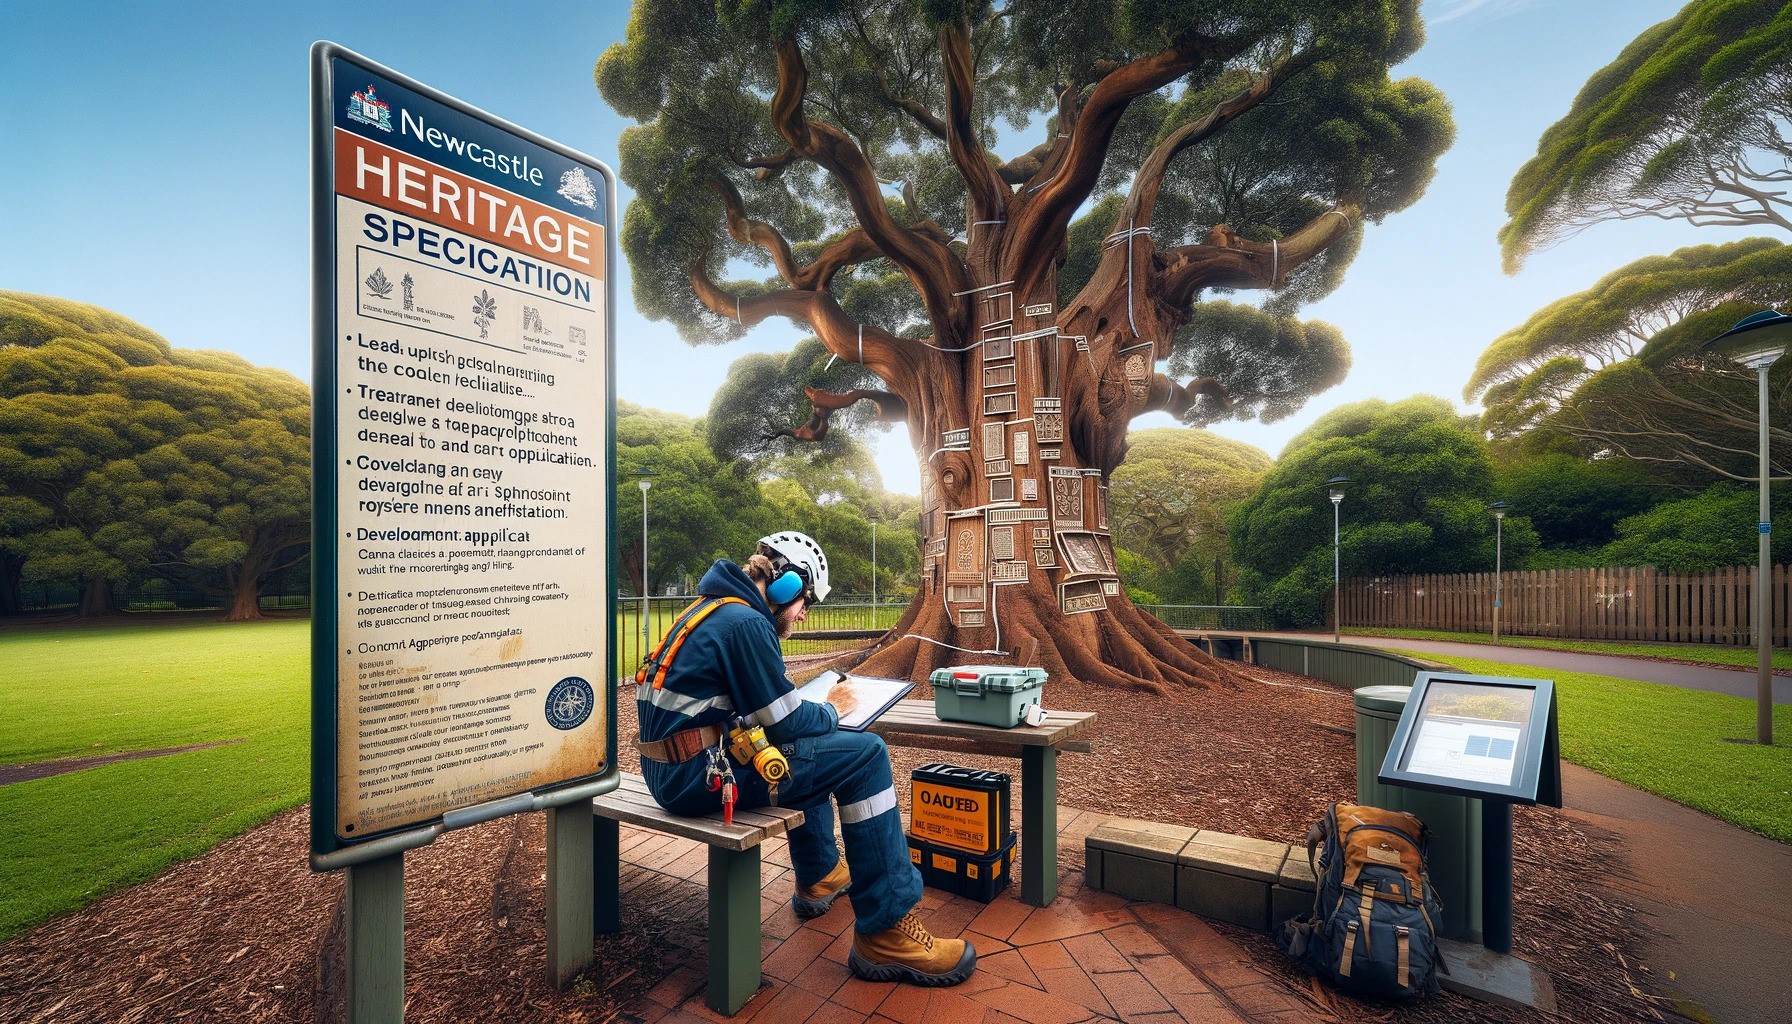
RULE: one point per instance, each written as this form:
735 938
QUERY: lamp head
1756 341
1336 486
644 477
1499 508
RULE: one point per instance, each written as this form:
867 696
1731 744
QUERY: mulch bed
247 933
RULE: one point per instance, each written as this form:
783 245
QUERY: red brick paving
1090 956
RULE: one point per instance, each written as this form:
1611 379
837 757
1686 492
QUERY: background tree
1574 503
1421 481
126 459
846 146
1710 530
699 509
1168 508
1687 124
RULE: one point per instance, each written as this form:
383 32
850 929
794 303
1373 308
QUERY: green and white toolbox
997 695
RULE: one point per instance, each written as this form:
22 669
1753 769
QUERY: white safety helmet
799 552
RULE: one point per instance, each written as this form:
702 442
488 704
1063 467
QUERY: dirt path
11 773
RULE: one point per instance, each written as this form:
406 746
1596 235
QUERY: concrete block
1093 861
1243 856
1223 896
1138 878
1296 872
1285 903
1146 839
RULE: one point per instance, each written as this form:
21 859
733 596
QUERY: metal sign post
462 468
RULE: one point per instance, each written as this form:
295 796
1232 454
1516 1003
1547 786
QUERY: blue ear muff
784 589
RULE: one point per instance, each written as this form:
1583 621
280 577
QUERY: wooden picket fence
1589 604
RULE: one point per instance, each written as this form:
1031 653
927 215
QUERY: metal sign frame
330 851
1537 770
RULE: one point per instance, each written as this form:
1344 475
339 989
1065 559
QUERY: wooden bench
734 886
912 723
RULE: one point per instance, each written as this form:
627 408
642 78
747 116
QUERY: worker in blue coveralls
729 666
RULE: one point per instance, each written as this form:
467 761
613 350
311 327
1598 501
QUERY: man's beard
786 620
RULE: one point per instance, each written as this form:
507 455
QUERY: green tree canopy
1168 506
1531 372
845 149
127 458
699 508
1688 123
1421 479
1710 530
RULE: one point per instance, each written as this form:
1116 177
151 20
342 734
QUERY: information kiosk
1488 737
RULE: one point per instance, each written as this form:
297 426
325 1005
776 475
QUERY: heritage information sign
1484 736
463 410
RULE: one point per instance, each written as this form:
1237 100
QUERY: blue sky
155 163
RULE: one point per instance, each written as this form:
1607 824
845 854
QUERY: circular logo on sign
570 703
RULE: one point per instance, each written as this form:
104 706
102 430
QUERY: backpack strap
1364 902
660 662
1403 942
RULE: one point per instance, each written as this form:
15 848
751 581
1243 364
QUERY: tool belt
682 745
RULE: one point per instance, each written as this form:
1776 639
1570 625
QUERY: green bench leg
1039 825
733 928
375 956
571 879
606 859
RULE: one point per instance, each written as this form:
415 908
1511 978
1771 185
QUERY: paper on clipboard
875 696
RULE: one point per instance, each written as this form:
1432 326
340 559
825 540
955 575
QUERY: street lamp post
644 477
874 573
1755 342
1498 509
1336 485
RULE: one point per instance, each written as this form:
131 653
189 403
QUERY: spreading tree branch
1165 395
931 266
1057 197
1224 260
1142 203
850 249
884 354
890 409
987 191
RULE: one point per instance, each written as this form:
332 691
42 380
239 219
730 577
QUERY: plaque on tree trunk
996 350
964 549
956 440
1001 489
995 444
998 307
1044 558
1067 497
1083 555
1015 515
1001 542
1029 489
957 593
1000 375
999 405
999 467
1101 508
1105 544
1080 596
1110 587
1023 450
1048 455
1008 572
971 617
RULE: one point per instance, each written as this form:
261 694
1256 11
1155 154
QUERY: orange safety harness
660 661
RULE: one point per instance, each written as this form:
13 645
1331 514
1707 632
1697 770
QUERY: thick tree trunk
11 600
96 599
1018 436
245 598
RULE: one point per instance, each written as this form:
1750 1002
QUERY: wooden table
912 723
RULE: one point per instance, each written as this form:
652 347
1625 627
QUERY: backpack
1373 927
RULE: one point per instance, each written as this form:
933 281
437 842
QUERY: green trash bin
1455 821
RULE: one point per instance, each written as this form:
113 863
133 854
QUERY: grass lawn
1670 741
82 691
1709 654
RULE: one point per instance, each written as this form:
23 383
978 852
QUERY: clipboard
876 696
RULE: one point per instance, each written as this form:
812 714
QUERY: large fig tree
1016 314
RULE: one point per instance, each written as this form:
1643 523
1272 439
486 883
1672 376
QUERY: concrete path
1735 682
1714 898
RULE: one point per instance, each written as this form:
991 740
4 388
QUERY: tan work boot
908 953
814 900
